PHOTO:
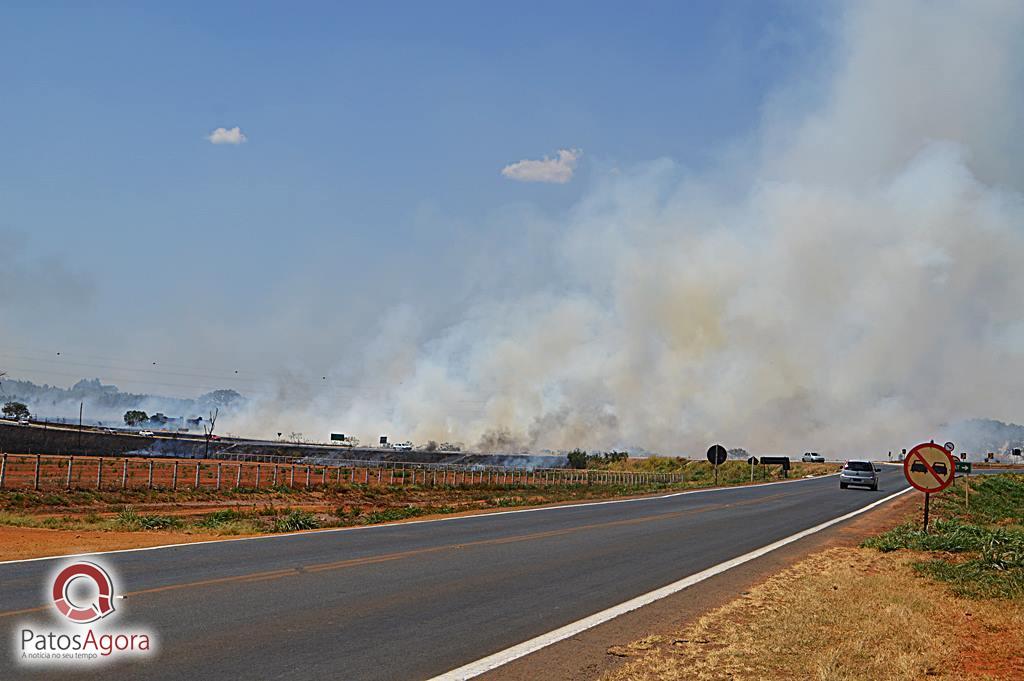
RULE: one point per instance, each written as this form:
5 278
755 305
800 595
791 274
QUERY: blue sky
375 139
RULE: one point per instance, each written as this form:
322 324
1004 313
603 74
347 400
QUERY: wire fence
48 472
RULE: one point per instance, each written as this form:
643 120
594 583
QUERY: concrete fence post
3 470
35 475
291 477
380 474
195 484
218 474
149 476
275 476
433 480
307 477
174 475
238 476
258 475
71 463
99 474
124 475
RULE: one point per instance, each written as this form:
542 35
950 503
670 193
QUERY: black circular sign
717 454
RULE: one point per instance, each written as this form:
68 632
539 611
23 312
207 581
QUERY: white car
22 422
812 457
146 433
402 446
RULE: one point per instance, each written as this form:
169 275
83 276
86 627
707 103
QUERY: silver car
860 473
812 457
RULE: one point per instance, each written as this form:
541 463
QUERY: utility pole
80 406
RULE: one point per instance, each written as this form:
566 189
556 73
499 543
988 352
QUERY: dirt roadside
602 650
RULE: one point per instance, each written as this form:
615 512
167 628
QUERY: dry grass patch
839 615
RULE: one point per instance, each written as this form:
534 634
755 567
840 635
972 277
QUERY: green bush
294 520
218 518
128 519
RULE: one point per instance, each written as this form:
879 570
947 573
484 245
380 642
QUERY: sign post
717 456
929 468
753 462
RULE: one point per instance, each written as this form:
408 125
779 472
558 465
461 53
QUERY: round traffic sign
929 467
950 447
717 454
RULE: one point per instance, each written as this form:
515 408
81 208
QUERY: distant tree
134 417
208 430
431 446
578 458
221 399
158 419
16 410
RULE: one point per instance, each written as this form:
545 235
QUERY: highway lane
413 600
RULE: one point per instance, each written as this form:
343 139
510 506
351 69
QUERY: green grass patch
295 519
128 519
979 550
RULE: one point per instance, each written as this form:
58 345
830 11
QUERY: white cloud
227 136
558 170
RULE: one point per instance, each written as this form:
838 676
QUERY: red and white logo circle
78 613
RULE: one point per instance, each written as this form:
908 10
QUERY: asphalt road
410 601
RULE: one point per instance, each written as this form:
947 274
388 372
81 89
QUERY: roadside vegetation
976 543
240 511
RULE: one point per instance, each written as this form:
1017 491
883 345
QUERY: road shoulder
587 655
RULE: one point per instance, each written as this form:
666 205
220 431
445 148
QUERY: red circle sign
929 467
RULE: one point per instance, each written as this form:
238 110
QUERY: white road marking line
503 657
416 522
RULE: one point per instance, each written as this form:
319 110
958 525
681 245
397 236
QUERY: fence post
124 475
291 479
324 480
238 476
307 477
257 476
35 475
218 474
99 474
3 470
71 461
149 481
275 475
195 485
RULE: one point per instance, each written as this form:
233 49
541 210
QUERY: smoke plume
849 280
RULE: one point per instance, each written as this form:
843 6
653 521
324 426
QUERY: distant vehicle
812 457
859 473
22 422
108 431
215 437
146 433
402 446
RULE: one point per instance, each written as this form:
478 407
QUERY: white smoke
861 287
